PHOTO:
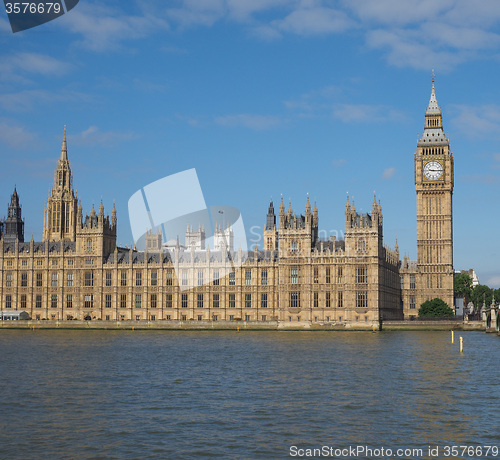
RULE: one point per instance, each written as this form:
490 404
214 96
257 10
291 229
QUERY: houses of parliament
78 272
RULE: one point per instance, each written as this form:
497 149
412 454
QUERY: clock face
433 170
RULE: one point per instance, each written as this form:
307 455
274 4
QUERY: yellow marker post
452 337
461 344
238 329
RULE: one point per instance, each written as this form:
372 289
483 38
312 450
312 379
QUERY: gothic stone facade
431 275
79 272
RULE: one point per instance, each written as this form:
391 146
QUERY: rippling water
131 394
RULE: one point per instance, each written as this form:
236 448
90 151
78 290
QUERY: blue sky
263 98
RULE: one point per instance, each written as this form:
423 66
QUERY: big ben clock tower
434 187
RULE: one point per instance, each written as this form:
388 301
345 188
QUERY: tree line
475 294
478 295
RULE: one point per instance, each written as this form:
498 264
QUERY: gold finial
433 75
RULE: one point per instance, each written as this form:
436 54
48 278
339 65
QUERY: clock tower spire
434 187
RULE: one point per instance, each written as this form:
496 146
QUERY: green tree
480 294
463 286
496 293
435 308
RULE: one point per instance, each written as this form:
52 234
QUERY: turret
14 224
113 217
271 218
79 216
282 213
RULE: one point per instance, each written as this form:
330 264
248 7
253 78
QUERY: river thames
182 395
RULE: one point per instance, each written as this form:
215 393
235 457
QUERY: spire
433 134
271 206
308 205
14 200
64 148
374 206
101 209
433 107
282 205
290 210
113 215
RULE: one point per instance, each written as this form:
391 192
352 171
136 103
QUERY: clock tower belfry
434 187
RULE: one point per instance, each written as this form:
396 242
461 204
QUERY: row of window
39 262
361 299
294 300
295 278
361 275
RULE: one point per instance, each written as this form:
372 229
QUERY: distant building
472 273
12 315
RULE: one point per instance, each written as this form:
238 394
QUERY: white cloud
388 173
94 136
407 49
397 12
429 34
244 9
256 122
12 67
457 37
493 281
475 121
314 21
315 101
419 35
28 99
366 113
103 28
339 163
40 64
16 136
